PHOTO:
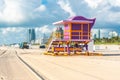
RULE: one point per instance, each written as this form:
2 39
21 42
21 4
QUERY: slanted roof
76 19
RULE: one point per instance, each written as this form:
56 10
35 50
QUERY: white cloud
6 31
93 3
107 15
113 34
104 10
11 12
14 11
113 17
114 2
66 7
43 29
2 5
41 8
12 35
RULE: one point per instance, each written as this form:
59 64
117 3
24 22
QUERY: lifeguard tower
74 37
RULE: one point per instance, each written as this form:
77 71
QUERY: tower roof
76 19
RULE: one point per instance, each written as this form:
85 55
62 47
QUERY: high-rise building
43 39
95 36
31 35
99 36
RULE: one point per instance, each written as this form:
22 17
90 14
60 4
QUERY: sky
16 16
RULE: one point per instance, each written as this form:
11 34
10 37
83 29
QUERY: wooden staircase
49 43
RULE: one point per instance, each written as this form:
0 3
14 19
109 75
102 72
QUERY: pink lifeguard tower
75 36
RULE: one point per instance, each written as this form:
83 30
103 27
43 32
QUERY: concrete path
11 68
57 67
75 67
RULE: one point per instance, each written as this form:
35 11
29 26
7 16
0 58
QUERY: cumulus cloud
5 31
93 3
2 3
34 13
12 35
115 3
11 11
113 34
41 8
105 10
66 7
44 29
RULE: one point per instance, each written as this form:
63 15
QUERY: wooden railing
49 40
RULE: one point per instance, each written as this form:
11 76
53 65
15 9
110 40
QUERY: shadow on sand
111 54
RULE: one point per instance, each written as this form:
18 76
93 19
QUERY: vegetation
36 44
113 40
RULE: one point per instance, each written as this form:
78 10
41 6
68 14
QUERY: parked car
24 45
42 46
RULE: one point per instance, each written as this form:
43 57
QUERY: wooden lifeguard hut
75 37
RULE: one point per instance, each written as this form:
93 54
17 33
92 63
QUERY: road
12 68
75 67
35 64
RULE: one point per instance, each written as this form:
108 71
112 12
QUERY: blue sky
16 16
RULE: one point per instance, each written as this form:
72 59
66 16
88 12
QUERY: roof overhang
62 22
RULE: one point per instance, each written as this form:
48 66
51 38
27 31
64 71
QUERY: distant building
59 33
99 34
95 36
31 35
42 40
